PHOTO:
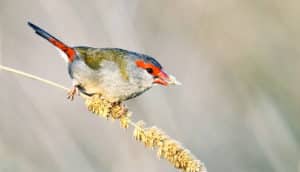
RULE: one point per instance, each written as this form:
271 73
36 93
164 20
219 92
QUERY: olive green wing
93 57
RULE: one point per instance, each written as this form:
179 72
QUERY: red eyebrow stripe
143 65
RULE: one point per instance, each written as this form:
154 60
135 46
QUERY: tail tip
33 26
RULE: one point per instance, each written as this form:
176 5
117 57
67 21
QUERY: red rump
69 51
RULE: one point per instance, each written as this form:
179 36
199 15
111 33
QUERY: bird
114 73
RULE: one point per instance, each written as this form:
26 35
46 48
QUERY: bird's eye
149 70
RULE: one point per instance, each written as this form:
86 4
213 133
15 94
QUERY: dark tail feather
40 31
68 50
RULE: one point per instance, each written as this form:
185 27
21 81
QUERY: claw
72 92
124 109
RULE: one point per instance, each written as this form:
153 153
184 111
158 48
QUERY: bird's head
155 70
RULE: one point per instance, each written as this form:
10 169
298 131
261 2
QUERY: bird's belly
110 89
106 81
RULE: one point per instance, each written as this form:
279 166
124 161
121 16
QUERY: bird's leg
124 108
73 90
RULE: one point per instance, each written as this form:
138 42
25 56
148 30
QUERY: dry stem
152 137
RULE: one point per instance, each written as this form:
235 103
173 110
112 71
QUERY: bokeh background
238 108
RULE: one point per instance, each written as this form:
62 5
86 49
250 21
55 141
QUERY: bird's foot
72 92
124 109
118 110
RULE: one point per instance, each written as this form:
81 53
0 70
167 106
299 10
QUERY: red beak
163 78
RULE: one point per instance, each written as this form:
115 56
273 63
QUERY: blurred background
238 108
